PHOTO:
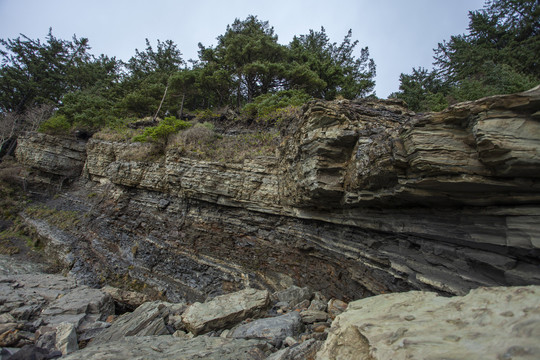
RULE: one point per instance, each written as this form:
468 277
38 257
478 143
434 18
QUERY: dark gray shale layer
362 198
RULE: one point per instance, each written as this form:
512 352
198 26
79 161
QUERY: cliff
362 198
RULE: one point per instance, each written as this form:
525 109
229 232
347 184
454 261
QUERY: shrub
56 125
118 130
160 133
270 107
198 134
206 114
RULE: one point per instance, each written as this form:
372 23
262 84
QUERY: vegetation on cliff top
249 75
92 92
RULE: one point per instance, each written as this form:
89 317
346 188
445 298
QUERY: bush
206 114
199 134
56 125
271 107
160 133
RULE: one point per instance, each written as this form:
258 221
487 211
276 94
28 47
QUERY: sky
400 34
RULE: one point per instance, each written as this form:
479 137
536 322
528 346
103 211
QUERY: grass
18 231
197 141
62 219
206 145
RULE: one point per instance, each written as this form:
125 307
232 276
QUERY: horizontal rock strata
363 198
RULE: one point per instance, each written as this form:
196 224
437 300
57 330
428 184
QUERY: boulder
336 307
30 352
274 329
168 347
66 338
129 299
306 350
148 319
312 316
293 295
487 323
76 304
225 310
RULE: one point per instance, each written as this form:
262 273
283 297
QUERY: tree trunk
161 103
182 106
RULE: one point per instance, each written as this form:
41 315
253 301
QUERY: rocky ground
48 316
51 315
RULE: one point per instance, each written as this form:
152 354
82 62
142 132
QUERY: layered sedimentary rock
363 198
60 158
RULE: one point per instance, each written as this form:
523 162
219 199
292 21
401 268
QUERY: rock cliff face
362 198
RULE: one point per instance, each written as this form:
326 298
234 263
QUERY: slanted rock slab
225 310
306 350
488 323
147 319
293 295
274 329
168 347
66 338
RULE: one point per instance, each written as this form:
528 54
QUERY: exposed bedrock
362 198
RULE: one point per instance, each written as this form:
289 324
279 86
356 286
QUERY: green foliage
326 70
206 114
94 93
165 59
250 56
88 109
421 90
35 72
160 133
498 55
56 125
268 107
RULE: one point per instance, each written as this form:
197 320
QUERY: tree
249 54
499 54
183 82
324 69
36 73
147 80
422 90
165 59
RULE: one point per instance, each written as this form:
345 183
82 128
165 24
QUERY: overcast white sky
400 34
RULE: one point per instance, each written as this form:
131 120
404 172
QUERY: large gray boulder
293 295
225 310
52 299
66 338
168 347
274 329
148 319
488 323
76 304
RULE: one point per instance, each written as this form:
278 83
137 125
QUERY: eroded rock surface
49 312
363 197
487 323
168 347
225 310
275 329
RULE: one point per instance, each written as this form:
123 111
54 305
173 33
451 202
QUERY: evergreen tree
499 54
35 72
325 70
249 54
